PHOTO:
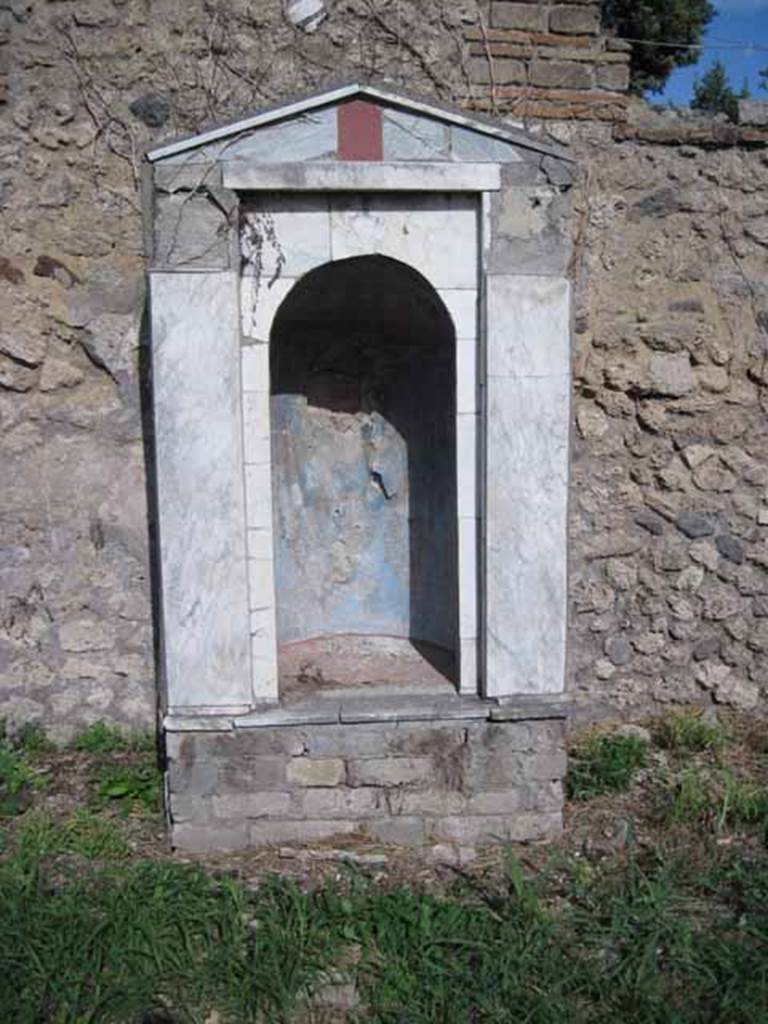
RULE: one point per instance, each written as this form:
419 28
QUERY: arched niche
363 413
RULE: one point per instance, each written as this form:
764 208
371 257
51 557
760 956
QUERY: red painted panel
360 131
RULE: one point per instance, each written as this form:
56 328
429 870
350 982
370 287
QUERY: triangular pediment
397 127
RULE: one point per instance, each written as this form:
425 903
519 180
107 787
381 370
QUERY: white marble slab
285 236
436 234
261 583
265 675
527 500
361 176
260 543
260 299
258 496
195 356
409 136
469 145
263 633
467 397
255 364
468 578
461 304
468 666
466 463
256 427
528 326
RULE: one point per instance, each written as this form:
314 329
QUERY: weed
604 764
131 785
33 740
690 731
17 778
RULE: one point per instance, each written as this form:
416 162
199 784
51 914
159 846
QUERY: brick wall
538 59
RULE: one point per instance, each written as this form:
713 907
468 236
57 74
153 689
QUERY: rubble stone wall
670 471
669 484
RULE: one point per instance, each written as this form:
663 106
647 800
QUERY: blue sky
743 22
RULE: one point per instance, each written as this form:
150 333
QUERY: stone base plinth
448 771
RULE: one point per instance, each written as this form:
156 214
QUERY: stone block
531 17
476 829
189 809
338 803
404 831
241 744
430 802
308 771
205 839
267 833
250 805
613 76
545 796
499 770
560 74
505 71
391 771
200 778
515 736
252 774
576 20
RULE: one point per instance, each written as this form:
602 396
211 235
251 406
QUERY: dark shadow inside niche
362 365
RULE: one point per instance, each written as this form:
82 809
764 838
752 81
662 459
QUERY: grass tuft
714 799
86 834
604 764
101 738
690 732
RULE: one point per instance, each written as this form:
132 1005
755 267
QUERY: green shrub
604 764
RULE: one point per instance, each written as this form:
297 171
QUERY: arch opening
363 403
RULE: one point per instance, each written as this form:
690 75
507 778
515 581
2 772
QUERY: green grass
18 777
604 764
717 799
86 834
677 936
690 732
101 738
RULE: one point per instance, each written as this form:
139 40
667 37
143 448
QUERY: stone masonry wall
394 782
670 462
669 582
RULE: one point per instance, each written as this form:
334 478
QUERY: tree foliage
661 33
713 93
